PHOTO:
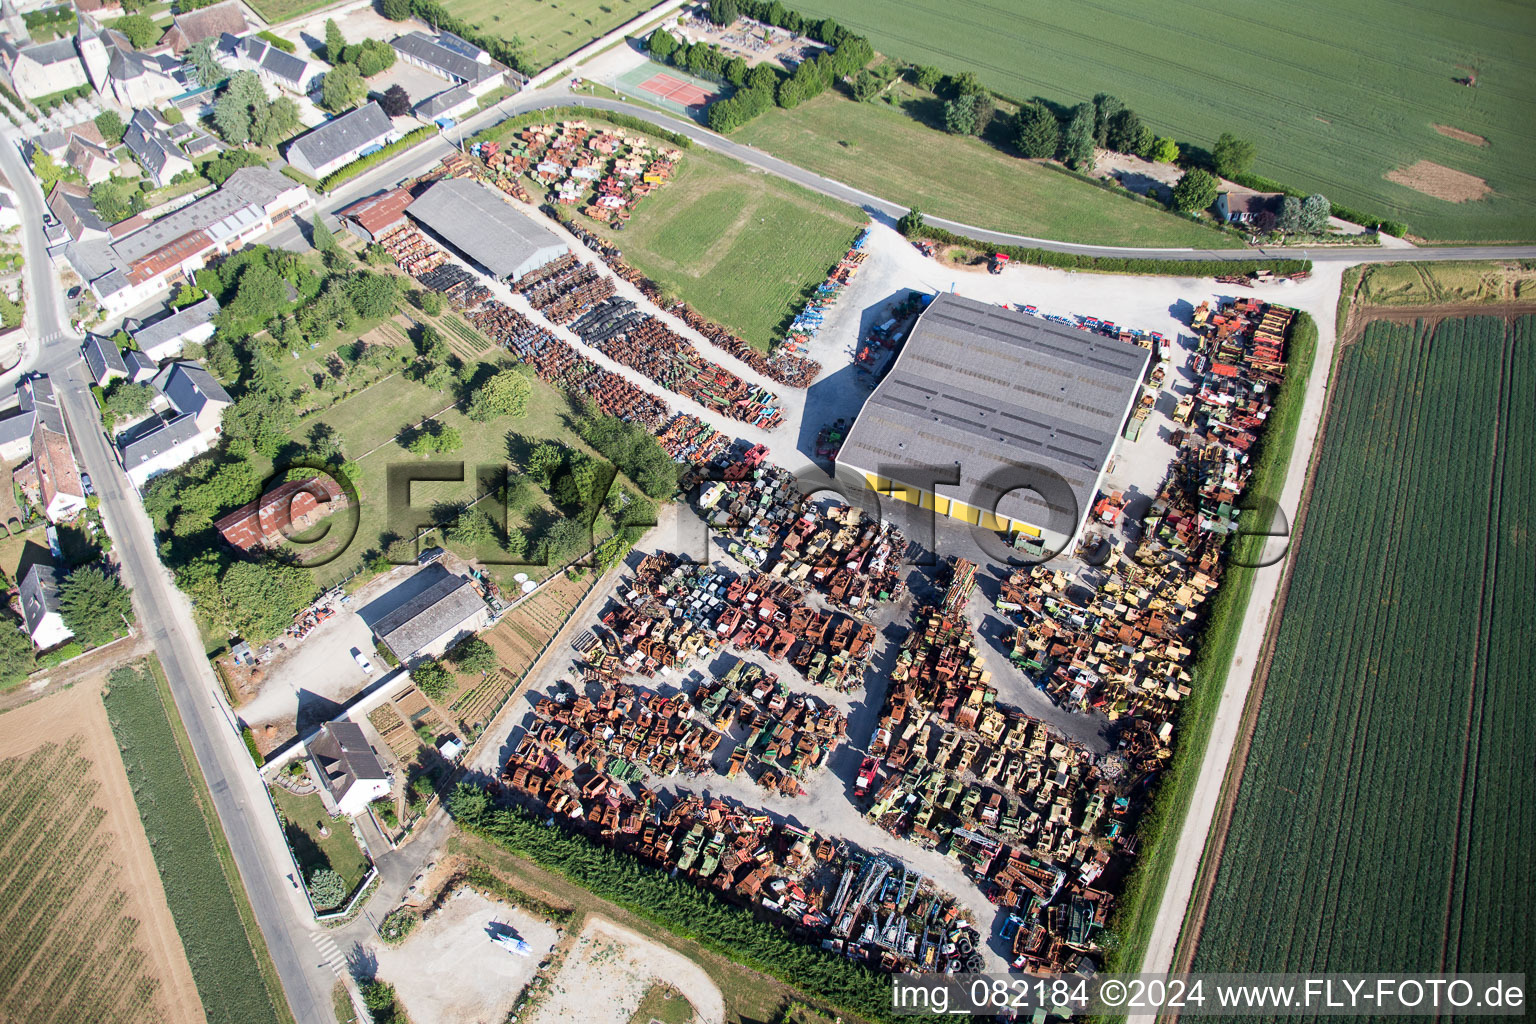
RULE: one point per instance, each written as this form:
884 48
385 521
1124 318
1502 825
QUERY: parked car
362 661
86 486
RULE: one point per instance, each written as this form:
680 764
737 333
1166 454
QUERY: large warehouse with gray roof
1024 411
476 221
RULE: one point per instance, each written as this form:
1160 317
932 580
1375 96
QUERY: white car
363 662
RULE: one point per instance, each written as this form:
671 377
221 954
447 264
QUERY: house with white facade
341 140
40 69
286 71
93 160
131 263
161 157
40 607
350 774
164 338
457 60
49 479
189 428
103 359
117 70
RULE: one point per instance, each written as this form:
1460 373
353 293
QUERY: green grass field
277 11
744 248
1422 284
338 851
549 31
203 892
1335 95
890 151
1375 822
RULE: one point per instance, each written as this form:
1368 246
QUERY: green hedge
363 163
1115 264
277 41
501 129
678 906
250 745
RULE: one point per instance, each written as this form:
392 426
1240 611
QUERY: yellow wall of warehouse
947 506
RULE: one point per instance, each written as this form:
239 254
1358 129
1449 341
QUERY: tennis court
669 89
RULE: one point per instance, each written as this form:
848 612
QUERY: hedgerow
378 156
1113 264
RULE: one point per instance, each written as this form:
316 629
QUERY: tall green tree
662 44
342 88
111 126
1124 131
1077 140
327 889
94 604
1105 107
723 12
504 394
1232 155
396 10
205 63
475 655
432 678
322 237
17 657
1195 191
141 31
1315 211
960 116
1036 132
335 42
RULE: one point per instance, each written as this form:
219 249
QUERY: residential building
42 68
77 215
1255 209
350 771
434 619
128 76
103 359
190 389
141 368
50 479
94 161
341 140
372 218
1022 414
131 263
447 106
160 156
478 222
159 445
165 337
40 607
457 60
286 510
10 213
287 71
191 28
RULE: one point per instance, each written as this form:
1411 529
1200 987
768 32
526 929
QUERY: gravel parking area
450 972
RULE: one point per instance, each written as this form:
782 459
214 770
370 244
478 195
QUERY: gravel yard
612 967
450 972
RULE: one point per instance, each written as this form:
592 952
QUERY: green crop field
186 838
1336 95
743 248
891 152
277 11
549 31
1381 816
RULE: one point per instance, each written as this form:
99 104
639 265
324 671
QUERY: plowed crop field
1384 815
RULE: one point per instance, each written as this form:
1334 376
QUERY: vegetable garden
1384 811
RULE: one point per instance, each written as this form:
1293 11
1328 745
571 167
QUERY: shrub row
378 156
677 905
1113 264
277 41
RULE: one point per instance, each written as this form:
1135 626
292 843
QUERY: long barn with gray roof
1025 412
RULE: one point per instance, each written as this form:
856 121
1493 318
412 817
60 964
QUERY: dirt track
1359 316
78 711
612 967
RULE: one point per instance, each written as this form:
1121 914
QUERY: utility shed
433 620
1004 400
485 228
